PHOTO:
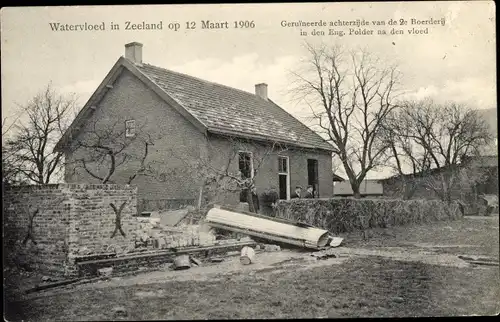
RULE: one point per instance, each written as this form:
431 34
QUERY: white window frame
251 161
287 173
129 133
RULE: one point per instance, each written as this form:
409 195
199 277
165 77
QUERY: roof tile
224 109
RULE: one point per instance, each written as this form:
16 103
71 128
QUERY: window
283 165
283 178
129 128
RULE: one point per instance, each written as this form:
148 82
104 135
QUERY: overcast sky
455 61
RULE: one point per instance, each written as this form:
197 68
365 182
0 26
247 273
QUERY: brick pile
151 234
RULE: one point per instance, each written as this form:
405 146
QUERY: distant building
368 188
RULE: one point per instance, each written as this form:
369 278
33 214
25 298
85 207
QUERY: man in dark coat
309 192
296 193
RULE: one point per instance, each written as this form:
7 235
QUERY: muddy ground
401 271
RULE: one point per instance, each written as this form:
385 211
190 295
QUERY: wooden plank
166 253
52 285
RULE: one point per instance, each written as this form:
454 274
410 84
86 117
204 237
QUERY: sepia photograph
324 160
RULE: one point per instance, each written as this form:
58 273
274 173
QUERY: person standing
309 192
296 193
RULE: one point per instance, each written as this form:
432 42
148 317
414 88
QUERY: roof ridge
200 79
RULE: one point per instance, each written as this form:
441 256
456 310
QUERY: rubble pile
151 234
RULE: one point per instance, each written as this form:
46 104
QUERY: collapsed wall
47 226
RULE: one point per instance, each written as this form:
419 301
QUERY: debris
52 285
268 228
247 255
257 247
83 251
272 248
149 293
46 278
120 311
245 239
106 271
173 217
398 299
303 224
155 222
484 263
336 241
182 262
324 254
216 259
194 260
476 260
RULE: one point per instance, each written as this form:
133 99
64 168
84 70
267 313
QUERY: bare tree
100 150
438 137
409 160
350 94
30 149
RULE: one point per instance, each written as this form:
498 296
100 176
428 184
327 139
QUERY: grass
360 287
481 232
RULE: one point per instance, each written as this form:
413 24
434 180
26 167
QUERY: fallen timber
280 230
129 263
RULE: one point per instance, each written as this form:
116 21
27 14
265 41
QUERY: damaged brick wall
47 226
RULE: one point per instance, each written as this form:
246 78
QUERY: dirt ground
400 271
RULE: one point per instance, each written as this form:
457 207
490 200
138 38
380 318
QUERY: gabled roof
226 110
214 108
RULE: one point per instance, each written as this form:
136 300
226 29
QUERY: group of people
272 195
298 190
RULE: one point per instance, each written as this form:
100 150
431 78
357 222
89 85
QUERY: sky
452 62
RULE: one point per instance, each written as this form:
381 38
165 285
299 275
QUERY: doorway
312 176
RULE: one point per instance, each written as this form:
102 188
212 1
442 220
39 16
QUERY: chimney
261 90
133 52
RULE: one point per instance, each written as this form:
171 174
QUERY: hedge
346 215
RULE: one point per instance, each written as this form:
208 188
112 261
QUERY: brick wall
267 175
171 133
70 220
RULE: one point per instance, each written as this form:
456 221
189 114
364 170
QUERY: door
284 177
312 176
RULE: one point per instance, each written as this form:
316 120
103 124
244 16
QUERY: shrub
346 215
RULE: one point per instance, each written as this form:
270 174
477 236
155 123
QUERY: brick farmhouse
190 119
